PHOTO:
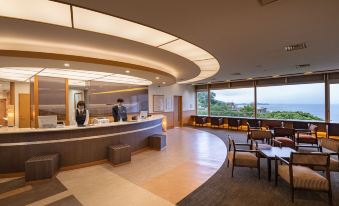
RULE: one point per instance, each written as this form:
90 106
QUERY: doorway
2 112
177 111
24 111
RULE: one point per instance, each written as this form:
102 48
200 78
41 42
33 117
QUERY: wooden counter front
75 145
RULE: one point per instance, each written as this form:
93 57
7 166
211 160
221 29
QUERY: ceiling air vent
295 47
300 66
265 2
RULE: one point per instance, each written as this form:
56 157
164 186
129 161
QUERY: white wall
186 91
20 88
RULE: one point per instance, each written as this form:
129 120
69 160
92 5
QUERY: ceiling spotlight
67 65
163 82
157 77
127 71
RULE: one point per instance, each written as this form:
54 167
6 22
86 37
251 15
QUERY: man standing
119 112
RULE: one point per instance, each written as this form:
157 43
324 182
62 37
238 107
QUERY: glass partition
301 102
202 102
334 99
232 102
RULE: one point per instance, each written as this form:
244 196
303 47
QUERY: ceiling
244 36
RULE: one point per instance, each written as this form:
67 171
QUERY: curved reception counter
77 146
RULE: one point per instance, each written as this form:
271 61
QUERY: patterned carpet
246 189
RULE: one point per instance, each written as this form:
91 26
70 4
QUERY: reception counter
77 146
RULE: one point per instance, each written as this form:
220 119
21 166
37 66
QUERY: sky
288 94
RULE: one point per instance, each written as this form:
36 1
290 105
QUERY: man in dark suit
119 112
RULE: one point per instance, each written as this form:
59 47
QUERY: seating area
292 174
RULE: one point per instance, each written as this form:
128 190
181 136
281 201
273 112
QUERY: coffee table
271 153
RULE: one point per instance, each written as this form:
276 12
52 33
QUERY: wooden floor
152 178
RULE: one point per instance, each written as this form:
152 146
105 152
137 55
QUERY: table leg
269 168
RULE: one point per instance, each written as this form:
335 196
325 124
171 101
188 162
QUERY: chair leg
232 169
330 197
259 168
276 172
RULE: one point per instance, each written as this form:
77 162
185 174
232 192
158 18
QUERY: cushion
304 177
312 127
334 164
307 138
286 142
246 159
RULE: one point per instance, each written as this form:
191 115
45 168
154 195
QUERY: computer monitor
143 114
47 121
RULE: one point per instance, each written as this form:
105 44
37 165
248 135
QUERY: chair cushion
307 138
334 164
286 142
246 159
304 177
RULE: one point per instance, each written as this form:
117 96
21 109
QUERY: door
2 111
177 107
24 111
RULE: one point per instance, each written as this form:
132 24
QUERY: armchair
308 136
199 120
241 157
298 174
332 147
232 122
285 136
217 121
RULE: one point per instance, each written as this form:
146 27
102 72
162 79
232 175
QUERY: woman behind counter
81 114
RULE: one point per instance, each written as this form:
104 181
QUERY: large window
232 102
334 99
202 102
302 101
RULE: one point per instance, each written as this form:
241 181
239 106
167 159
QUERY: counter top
15 130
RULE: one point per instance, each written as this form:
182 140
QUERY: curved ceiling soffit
61 14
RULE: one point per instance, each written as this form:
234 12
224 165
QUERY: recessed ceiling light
67 65
163 82
127 71
157 77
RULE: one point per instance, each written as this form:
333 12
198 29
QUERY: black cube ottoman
41 167
119 154
157 141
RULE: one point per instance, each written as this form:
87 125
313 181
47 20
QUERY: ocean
315 109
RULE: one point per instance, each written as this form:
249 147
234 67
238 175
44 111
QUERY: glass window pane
232 102
302 101
202 103
334 98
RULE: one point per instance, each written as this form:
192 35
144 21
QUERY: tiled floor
152 178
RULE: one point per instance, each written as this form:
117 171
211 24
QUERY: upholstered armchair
285 136
298 174
262 135
242 157
200 121
217 121
308 138
232 122
332 148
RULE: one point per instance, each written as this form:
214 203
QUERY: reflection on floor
153 177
